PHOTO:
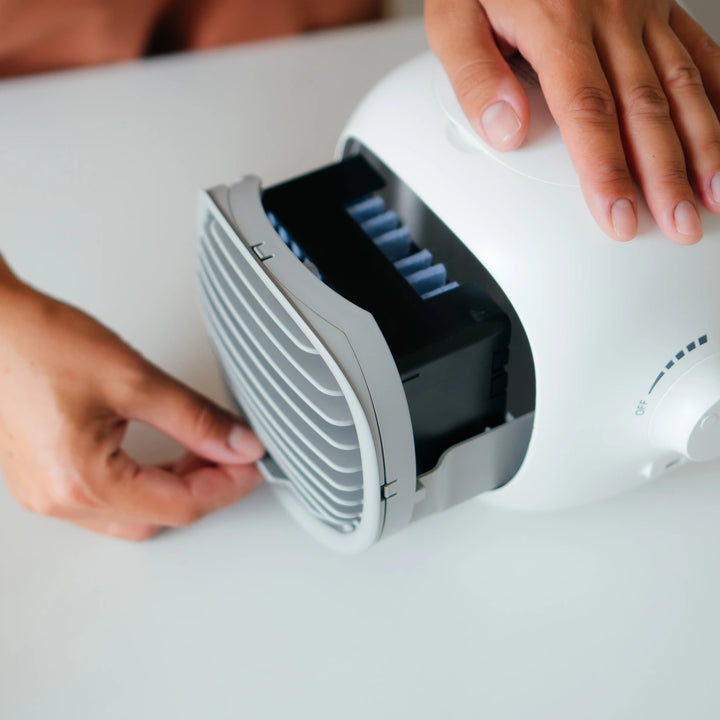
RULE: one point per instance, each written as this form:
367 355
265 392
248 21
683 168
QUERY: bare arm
69 387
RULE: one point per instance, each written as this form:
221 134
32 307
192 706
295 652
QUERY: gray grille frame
352 348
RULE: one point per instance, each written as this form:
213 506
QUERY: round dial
687 418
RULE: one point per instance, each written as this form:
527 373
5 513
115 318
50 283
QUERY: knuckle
708 49
711 148
673 175
646 101
33 496
134 375
63 495
592 105
683 77
49 507
612 174
204 418
72 492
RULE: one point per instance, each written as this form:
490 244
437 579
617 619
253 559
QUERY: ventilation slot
291 396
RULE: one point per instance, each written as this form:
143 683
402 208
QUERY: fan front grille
289 393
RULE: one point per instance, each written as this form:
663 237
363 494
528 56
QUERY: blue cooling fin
367 208
386 230
440 290
395 244
294 247
394 240
285 237
381 224
428 279
410 264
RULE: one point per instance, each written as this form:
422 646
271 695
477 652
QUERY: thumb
493 100
188 417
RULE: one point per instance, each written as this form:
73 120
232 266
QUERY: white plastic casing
606 321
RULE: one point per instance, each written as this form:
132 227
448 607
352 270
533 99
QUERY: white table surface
608 611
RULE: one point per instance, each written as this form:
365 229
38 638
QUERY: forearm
69 388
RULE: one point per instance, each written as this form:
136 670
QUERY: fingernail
624 219
244 442
687 220
501 124
715 187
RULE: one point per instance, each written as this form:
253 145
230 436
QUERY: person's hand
68 387
634 86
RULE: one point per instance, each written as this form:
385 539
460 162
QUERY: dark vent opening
449 339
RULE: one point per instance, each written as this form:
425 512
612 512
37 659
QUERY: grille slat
317 373
261 294
313 433
295 397
237 358
289 407
343 504
329 407
290 393
342 526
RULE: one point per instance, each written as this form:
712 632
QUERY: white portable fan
426 320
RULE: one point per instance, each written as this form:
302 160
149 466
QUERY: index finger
581 101
490 95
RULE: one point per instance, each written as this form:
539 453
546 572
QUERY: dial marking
702 340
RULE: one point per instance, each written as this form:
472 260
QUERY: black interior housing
451 350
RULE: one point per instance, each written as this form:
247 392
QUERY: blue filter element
412 263
386 230
380 224
366 208
428 279
395 244
297 251
440 290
